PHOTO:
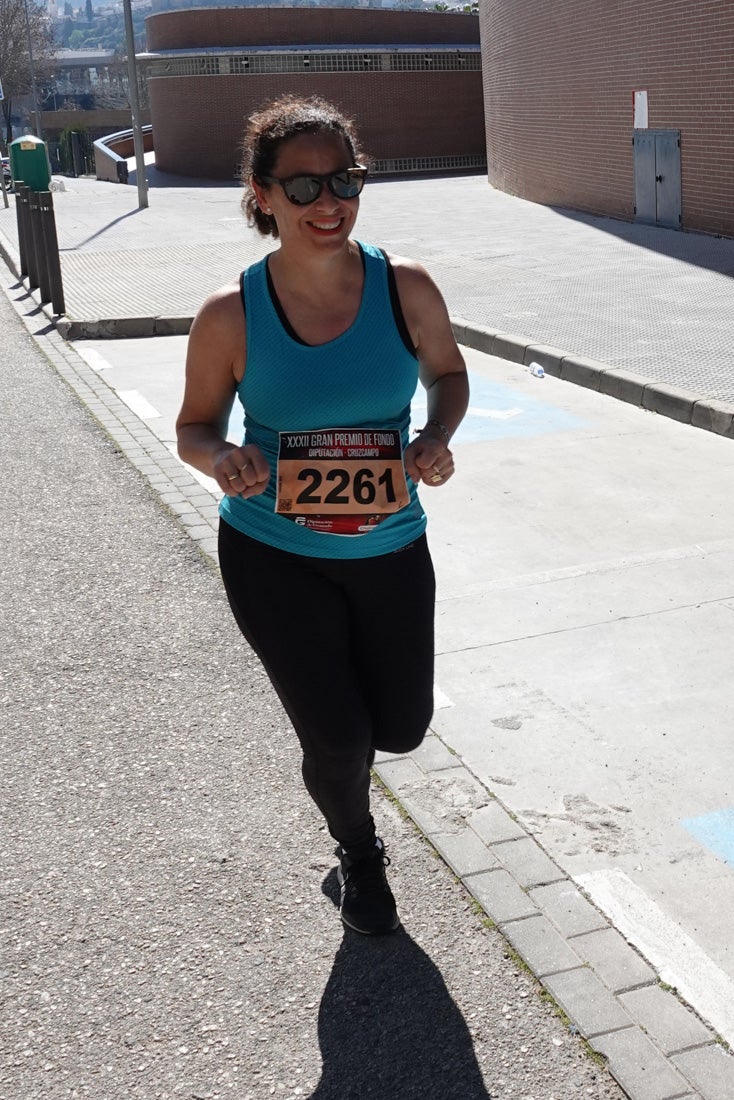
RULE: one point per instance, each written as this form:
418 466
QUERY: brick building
624 109
411 79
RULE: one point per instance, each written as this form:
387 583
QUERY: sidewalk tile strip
571 913
639 1067
541 946
178 503
464 852
203 531
500 896
428 814
209 546
399 774
617 964
711 1069
432 755
672 1026
189 519
587 1003
493 824
527 862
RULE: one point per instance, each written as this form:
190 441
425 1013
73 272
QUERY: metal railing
38 245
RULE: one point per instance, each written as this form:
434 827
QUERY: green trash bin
29 162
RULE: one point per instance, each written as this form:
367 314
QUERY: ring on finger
239 473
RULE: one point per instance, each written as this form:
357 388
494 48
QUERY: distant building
410 78
86 91
85 79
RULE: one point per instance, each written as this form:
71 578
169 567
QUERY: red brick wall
399 114
198 120
558 83
223 27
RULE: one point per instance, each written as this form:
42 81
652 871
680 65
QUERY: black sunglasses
347 183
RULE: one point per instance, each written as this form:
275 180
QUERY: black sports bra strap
397 309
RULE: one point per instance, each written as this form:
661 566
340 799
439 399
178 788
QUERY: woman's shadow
388 1027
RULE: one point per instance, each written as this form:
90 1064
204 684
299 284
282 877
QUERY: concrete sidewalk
599 295
584 551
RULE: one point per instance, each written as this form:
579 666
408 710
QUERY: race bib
341 481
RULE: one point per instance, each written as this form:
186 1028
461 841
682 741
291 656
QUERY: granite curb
671 401
656 1048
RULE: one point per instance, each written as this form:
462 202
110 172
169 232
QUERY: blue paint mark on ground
715 831
498 411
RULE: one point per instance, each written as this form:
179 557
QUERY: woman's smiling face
325 223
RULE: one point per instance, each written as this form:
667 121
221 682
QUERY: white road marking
419 407
677 958
92 357
494 414
208 482
138 404
440 700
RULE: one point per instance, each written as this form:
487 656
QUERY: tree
15 69
89 10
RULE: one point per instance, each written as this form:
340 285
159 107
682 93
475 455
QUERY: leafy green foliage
15 65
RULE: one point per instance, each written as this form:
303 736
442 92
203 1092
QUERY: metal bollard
51 248
41 274
21 213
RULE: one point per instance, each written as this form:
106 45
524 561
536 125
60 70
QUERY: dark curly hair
278 122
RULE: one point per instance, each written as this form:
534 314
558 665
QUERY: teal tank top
363 380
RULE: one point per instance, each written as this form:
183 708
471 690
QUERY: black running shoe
367 904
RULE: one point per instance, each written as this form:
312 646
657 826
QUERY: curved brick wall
196 28
558 84
415 101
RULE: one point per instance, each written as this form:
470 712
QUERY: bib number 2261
348 487
331 479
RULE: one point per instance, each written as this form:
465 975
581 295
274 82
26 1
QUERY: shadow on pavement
99 232
157 178
700 249
389 1027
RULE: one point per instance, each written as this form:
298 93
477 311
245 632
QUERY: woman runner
322 542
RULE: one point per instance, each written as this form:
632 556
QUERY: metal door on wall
657 177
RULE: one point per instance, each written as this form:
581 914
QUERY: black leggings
348 646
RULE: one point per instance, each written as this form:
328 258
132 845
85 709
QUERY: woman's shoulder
408 272
221 303
220 320
413 280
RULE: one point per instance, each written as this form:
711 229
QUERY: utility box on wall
657 177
